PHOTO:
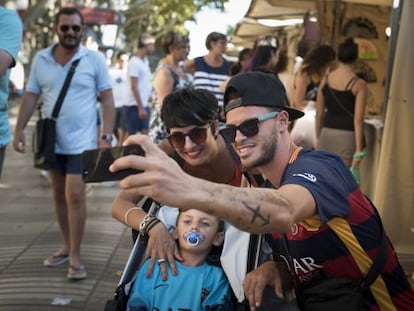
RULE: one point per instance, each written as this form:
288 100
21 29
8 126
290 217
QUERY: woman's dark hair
282 62
172 39
244 54
189 106
318 59
261 58
69 10
348 51
120 54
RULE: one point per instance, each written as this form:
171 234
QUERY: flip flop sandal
76 273
55 260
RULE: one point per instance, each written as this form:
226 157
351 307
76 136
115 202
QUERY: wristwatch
108 137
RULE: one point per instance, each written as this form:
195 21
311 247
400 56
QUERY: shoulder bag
325 292
44 134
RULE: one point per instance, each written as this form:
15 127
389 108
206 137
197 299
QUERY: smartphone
96 162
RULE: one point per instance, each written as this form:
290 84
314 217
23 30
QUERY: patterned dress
157 131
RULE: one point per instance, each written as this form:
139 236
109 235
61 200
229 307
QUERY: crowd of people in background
212 71
211 115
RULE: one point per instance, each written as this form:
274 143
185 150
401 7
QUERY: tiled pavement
29 233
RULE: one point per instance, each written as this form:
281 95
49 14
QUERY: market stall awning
280 9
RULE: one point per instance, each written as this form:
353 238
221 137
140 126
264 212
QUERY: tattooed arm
256 210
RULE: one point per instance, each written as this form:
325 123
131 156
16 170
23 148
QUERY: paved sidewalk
29 233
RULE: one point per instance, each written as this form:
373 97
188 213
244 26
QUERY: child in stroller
199 285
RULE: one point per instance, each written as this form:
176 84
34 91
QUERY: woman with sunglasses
191 119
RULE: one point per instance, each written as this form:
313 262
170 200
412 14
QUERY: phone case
96 162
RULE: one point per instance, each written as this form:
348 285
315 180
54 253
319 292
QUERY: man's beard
69 46
268 150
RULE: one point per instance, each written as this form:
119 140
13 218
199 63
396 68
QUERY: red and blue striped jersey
314 245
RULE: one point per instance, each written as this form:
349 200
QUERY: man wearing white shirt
120 88
136 113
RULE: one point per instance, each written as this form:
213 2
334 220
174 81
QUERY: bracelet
147 223
127 214
360 155
144 223
153 222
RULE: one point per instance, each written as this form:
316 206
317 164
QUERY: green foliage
153 16
160 16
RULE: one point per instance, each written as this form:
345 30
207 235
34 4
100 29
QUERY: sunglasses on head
65 28
198 135
248 128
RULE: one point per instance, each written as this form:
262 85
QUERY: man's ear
219 239
283 121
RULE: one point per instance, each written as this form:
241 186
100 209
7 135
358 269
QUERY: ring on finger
161 260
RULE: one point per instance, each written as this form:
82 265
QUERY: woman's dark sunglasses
248 128
198 135
65 28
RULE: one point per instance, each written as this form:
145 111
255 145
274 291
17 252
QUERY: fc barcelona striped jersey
314 245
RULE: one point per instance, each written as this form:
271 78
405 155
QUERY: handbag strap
379 261
253 255
338 101
289 258
64 89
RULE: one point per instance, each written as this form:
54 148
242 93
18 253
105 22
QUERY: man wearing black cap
331 228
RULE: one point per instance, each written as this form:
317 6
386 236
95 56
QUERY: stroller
121 295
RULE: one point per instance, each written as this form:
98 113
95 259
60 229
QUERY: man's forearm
256 210
108 111
27 107
137 98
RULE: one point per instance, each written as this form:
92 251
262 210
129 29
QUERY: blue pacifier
194 238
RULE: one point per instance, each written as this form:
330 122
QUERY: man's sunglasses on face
65 28
248 128
198 135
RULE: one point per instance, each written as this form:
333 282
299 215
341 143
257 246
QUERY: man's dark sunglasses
248 128
198 135
65 28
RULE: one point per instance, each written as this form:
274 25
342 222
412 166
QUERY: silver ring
160 261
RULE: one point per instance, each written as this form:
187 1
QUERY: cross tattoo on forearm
256 214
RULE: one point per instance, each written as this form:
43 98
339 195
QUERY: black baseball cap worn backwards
259 89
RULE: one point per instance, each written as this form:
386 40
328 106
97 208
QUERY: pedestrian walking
76 128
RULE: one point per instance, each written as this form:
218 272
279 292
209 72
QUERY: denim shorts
69 164
133 124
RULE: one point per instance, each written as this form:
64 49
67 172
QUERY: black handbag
44 134
325 292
